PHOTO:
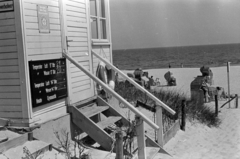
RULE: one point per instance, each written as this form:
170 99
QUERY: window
98 20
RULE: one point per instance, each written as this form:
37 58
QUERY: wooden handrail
136 85
126 103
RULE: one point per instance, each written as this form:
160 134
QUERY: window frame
98 19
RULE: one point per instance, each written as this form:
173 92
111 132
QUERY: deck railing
142 117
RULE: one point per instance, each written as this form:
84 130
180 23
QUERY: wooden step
92 110
108 121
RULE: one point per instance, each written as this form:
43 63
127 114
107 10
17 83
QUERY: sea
175 57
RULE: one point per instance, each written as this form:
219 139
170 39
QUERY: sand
185 76
200 141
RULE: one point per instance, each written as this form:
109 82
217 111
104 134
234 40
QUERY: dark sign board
6 6
48 81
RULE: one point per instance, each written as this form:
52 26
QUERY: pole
216 105
119 144
228 71
183 115
236 98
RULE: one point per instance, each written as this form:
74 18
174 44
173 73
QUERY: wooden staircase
95 119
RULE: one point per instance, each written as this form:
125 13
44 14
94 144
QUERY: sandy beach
185 76
200 141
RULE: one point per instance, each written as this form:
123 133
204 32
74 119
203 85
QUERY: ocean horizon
177 56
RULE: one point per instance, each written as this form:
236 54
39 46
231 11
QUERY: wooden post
160 125
140 138
228 77
236 98
183 115
119 144
216 105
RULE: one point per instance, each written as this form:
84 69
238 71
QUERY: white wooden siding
77 34
10 96
42 46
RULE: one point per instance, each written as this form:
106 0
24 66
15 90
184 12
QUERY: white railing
140 125
136 85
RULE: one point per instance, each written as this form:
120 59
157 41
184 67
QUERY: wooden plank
9 55
78 39
81 88
9 69
55 27
76 44
12 62
75 69
7 15
10 108
75 9
40 45
45 56
45 38
9 82
79 54
75 16
7 89
92 110
77 34
8 48
10 102
5 29
91 129
81 83
71 29
80 23
8 42
13 115
79 78
78 49
10 95
7 22
79 1
36 32
9 75
79 5
14 142
32 6
43 51
85 64
11 35
43 2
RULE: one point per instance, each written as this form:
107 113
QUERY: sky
165 23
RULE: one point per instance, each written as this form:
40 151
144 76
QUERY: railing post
216 105
119 144
236 98
140 138
183 115
160 125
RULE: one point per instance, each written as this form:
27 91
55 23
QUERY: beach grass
194 109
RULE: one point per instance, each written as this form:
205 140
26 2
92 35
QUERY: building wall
43 46
10 94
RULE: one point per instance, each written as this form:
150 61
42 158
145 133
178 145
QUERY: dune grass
194 109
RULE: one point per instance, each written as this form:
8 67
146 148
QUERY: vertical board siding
10 96
42 46
77 33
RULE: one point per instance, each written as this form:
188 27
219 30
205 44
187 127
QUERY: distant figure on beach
182 65
169 66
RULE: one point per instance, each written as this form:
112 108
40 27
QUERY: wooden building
33 35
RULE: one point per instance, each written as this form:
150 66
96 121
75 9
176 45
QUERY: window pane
102 8
93 8
94 28
103 29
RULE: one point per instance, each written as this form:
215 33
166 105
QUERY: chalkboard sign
48 81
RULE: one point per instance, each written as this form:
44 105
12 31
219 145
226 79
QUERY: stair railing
141 116
158 102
